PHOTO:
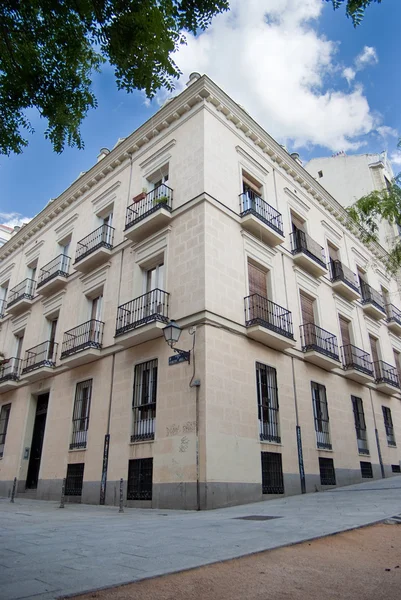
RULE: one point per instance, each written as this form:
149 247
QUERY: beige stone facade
201 217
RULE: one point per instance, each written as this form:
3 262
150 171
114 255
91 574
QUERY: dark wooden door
37 441
257 280
345 332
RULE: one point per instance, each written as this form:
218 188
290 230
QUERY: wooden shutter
307 309
375 352
257 280
296 223
397 363
345 333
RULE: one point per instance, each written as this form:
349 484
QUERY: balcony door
345 331
52 340
257 282
107 232
154 283
375 355
96 316
308 319
65 252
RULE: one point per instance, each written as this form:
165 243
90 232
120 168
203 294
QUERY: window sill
270 443
77 449
324 450
391 446
141 442
363 454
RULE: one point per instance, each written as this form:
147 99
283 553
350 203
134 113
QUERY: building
201 217
349 177
5 233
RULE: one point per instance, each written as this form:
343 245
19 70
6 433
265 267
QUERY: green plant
161 200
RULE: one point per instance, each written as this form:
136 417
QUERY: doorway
37 442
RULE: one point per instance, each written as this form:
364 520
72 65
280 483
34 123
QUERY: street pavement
47 552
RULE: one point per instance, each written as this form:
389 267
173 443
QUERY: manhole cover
257 518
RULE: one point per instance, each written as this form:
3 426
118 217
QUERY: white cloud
385 131
268 55
367 57
13 219
349 74
395 158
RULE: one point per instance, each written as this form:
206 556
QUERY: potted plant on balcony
140 196
161 200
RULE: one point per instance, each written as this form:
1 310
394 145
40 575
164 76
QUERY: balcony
319 346
3 307
39 361
142 319
82 344
261 219
393 318
149 213
53 276
307 253
357 364
386 378
94 249
345 282
10 369
20 298
372 302
268 323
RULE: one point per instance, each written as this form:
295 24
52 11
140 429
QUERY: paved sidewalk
47 552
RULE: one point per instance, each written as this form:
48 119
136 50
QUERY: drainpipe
298 433
377 438
195 383
106 446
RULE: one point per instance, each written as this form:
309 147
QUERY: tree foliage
369 210
50 49
355 9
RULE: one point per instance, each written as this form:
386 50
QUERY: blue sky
312 80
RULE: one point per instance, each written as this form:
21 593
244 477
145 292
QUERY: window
360 425
320 174
80 417
140 477
51 350
345 330
74 479
297 223
388 425
397 364
374 346
396 468
327 471
307 309
144 401
321 416
65 253
32 270
4 418
267 396
19 340
272 473
366 470
257 279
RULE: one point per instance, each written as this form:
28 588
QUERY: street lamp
172 333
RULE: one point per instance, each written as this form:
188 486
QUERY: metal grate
302 242
140 477
4 418
355 358
86 335
148 308
58 267
261 311
366 470
144 401
74 481
272 473
360 425
256 518
319 340
252 204
268 407
80 417
102 237
388 425
327 471
160 197
321 416
339 272
396 468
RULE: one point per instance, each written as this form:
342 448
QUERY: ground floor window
140 479
396 468
4 418
74 480
366 470
327 471
272 473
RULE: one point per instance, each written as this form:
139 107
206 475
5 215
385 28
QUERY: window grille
80 417
4 418
268 408
140 477
144 401
388 425
366 470
74 480
360 425
327 471
272 473
321 416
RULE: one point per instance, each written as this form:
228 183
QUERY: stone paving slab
47 552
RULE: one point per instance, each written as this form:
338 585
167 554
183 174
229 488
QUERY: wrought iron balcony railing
302 242
24 290
393 314
370 296
160 197
102 237
251 204
144 422
42 355
86 335
3 306
385 373
355 358
318 339
149 307
261 311
10 369
339 272
59 266
362 440
323 440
